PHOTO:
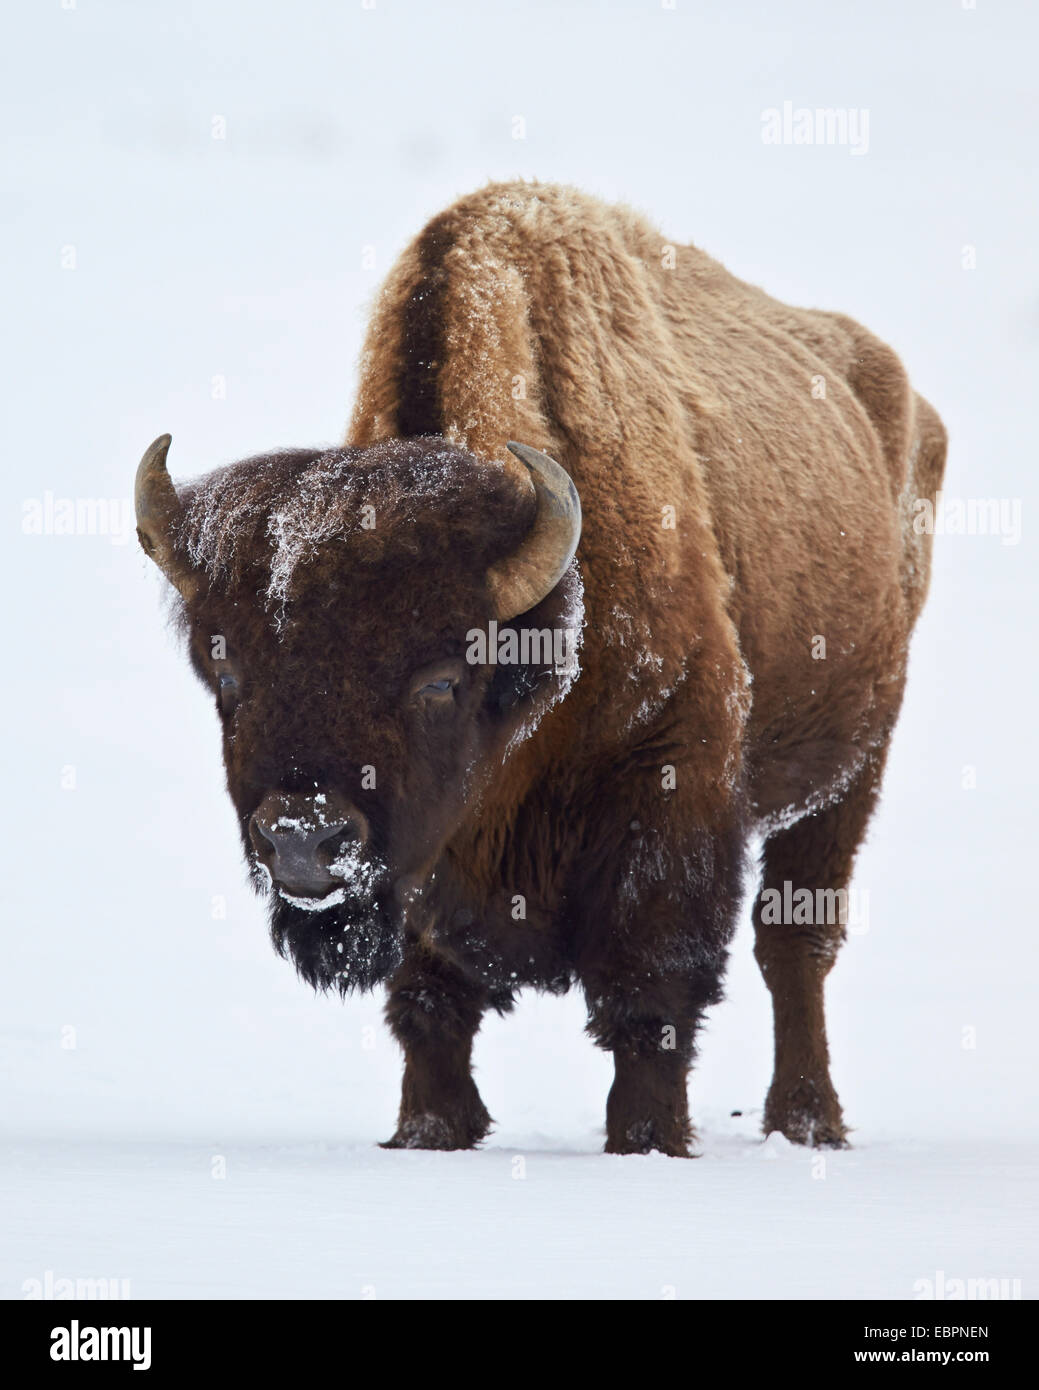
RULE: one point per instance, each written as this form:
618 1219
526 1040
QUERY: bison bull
713 504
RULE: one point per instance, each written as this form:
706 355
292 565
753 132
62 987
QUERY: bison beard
746 586
354 944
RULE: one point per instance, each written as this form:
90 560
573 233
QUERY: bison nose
298 838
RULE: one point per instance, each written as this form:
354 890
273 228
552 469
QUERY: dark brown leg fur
651 1031
647 1108
646 1014
817 852
434 1013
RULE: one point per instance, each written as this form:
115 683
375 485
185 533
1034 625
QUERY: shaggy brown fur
733 515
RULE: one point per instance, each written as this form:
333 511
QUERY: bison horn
158 513
519 582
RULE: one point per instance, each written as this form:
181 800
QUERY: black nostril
262 838
348 834
323 838
352 829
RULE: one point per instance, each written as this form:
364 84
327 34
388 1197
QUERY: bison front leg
797 937
650 1026
651 966
434 1013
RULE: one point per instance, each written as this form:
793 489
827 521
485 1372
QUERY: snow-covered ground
532 1219
179 1110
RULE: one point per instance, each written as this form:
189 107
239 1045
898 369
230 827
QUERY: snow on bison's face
346 609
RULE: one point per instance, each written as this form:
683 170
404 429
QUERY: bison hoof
647 1137
436 1132
807 1113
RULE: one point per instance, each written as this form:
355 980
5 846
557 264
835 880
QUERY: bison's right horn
519 582
159 512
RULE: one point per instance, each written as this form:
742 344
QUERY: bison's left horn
529 574
159 512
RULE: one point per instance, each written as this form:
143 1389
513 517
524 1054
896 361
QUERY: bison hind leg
816 853
806 1113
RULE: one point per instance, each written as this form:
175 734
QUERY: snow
147 1029
571 621
528 1218
334 899
359 869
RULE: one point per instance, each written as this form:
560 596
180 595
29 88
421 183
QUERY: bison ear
521 580
159 513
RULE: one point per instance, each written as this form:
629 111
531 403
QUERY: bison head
332 602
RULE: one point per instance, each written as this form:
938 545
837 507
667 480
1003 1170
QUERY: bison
712 504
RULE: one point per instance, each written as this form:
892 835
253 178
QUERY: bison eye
227 693
436 683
